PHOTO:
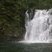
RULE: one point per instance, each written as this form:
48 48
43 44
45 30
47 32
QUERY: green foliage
11 20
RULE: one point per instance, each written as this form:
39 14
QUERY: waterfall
39 28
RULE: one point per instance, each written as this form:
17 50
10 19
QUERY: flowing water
38 29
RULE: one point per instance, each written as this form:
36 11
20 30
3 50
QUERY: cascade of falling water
38 29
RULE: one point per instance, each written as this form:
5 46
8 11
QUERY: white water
39 29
